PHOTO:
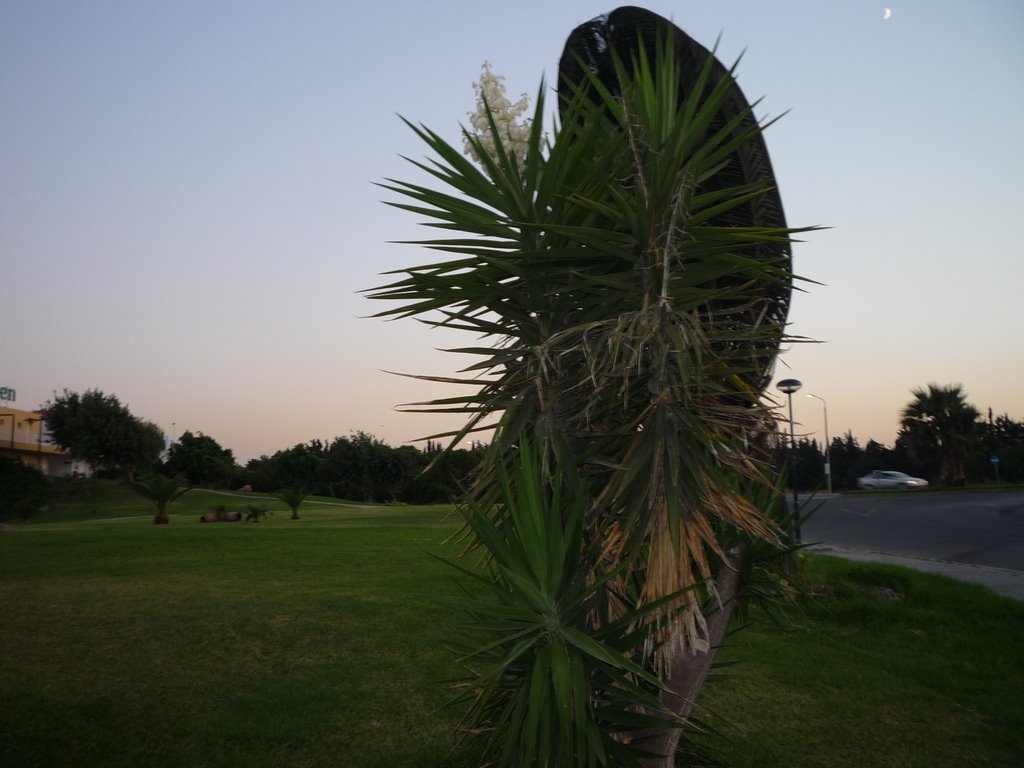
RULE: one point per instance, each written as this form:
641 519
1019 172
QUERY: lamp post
828 445
789 386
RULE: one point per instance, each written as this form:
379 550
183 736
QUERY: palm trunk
161 514
689 671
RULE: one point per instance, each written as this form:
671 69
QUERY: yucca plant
633 325
545 685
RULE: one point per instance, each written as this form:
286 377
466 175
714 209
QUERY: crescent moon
888 14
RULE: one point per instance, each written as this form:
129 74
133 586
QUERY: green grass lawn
313 643
885 667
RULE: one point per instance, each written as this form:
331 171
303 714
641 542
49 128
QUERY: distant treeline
362 468
358 468
1000 438
942 438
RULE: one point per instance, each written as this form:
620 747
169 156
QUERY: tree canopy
938 428
202 460
97 428
361 467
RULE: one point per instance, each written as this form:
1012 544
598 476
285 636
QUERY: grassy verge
309 643
885 667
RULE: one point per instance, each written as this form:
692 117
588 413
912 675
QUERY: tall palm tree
634 321
938 427
161 490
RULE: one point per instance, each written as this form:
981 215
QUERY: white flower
513 132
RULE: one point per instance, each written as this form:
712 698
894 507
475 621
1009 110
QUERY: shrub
23 490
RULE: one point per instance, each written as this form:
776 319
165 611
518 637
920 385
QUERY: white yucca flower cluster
513 132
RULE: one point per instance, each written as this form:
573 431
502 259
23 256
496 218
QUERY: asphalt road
974 535
977 528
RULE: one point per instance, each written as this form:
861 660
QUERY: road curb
1001 580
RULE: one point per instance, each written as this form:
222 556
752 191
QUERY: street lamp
828 445
789 386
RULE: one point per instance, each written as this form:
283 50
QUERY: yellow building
23 435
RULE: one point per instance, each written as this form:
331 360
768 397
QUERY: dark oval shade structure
789 386
623 31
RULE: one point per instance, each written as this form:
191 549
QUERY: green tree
381 470
440 476
805 466
202 460
1005 431
297 466
142 446
293 497
939 428
161 490
880 456
846 456
99 429
635 322
339 473
363 468
1002 438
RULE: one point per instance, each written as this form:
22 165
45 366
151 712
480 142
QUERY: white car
883 478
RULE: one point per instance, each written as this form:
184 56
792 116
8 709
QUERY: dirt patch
886 593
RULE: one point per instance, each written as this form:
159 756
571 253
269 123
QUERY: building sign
7 393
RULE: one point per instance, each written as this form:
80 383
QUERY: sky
189 208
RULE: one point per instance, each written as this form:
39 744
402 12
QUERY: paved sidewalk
1001 580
